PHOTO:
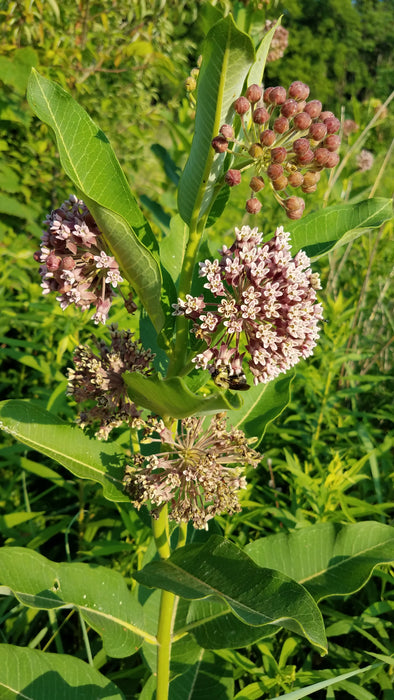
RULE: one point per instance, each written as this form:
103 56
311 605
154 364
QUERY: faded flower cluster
286 140
194 477
365 160
74 262
279 42
99 378
265 307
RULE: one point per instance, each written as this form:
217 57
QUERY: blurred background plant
328 457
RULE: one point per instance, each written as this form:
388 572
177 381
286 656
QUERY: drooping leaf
227 56
172 397
255 595
98 593
261 405
89 161
37 675
326 558
322 231
68 445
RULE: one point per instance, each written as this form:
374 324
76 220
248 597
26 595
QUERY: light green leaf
257 70
171 397
30 674
98 593
326 558
256 596
327 229
227 56
89 161
68 445
261 405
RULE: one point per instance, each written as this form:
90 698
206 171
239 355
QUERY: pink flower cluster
74 262
266 307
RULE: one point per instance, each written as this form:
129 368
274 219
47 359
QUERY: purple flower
266 308
193 476
74 262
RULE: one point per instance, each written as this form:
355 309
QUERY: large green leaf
261 405
89 161
171 397
227 57
327 229
98 593
255 595
327 559
36 675
85 457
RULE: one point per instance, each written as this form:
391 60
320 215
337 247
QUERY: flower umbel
74 262
192 477
266 307
99 377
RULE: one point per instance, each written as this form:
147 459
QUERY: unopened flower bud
326 115
317 131
220 144
190 84
289 108
278 95
255 150
68 263
254 93
267 138
227 131
281 125
274 171
302 121
333 124
300 146
310 189
313 108
266 96
294 215
306 158
278 155
241 105
299 90
332 160
295 179
280 183
293 203
311 178
260 116
256 184
233 177
53 262
253 205
332 142
321 155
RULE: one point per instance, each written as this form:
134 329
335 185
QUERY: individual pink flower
265 311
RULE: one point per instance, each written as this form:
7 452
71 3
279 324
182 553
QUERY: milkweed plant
220 333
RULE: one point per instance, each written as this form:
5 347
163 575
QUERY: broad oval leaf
255 595
85 457
322 231
261 405
98 593
326 558
172 397
227 56
37 675
89 161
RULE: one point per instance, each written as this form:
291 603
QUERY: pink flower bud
267 138
233 177
293 203
274 171
227 131
281 125
332 160
278 155
333 124
241 105
302 121
254 93
295 214
300 146
220 144
299 90
289 108
332 142
68 263
260 116
317 131
280 183
313 108
253 205
53 262
326 115
266 96
278 95
256 184
321 155
306 158
295 179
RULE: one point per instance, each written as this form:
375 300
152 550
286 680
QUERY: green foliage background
329 457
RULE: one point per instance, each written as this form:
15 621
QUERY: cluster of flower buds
73 260
285 138
265 307
99 378
198 477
